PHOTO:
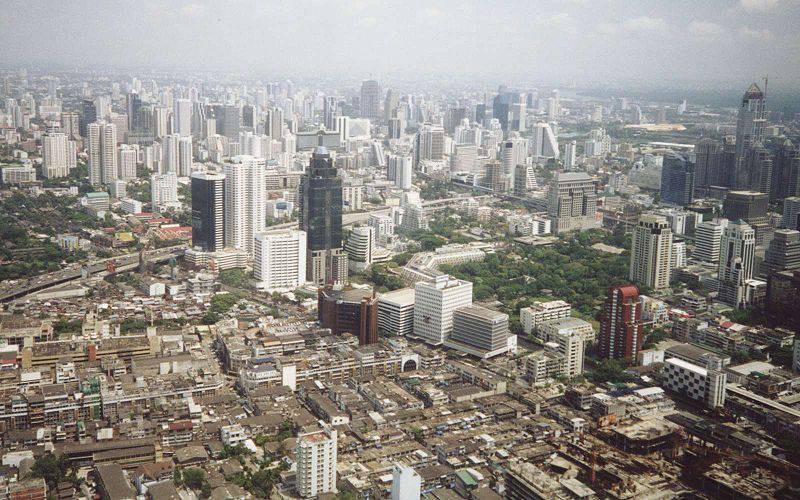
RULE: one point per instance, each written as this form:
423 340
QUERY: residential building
245 201
737 251
102 151
539 312
651 252
621 330
316 462
163 190
279 259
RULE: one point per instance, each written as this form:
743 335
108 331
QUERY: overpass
9 292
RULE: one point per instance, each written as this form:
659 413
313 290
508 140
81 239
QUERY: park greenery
54 469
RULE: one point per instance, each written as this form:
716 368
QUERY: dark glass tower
88 115
321 219
677 180
208 206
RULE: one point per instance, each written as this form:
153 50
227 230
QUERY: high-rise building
359 247
708 237
434 304
353 311
279 259
371 97
543 142
791 213
737 250
185 156
429 143
330 110
55 155
88 116
570 155
621 332
677 180
70 125
749 134
524 179
383 226
539 312
651 252
102 148
134 109
785 172
126 163
400 170
708 164
229 121
572 202
783 252
182 117
274 123
208 211
571 346
316 462
406 483
396 312
320 217
751 207
163 190
245 201
170 151
480 332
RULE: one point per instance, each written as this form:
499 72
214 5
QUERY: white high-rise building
406 483
182 117
185 156
396 312
383 226
55 153
163 190
102 147
708 237
434 306
279 259
543 142
570 154
429 143
400 170
128 156
359 248
160 121
737 250
570 345
316 462
169 153
274 123
651 252
245 201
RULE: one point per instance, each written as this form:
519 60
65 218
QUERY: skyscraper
182 117
572 202
791 213
750 172
570 155
751 207
785 172
330 110
208 211
102 148
274 123
245 201
279 259
737 250
429 143
371 97
170 153
621 333
55 149
651 252
185 156
126 162
543 142
677 180
321 218
163 190
88 115
708 237
434 305
783 252
400 170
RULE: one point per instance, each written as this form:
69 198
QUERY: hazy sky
556 39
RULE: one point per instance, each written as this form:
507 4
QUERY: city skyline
603 40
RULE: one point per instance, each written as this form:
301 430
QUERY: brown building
352 311
782 291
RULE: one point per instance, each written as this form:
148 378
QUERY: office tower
479 331
396 312
783 252
791 213
185 156
493 178
396 127
279 259
749 134
383 226
320 217
737 250
182 117
390 105
434 304
245 201
751 207
208 211
524 180
429 143
199 120
70 125
353 311
543 142
316 462
708 158
134 108
513 152
170 153
102 148
248 116
359 247
785 172
501 109
160 121
677 180
706 385
330 110
126 163
406 483
401 170
371 97
651 252
352 195
274 123
572 202
708 237
88 115
229 121
570 155
621 331
55 151
163 190
571 345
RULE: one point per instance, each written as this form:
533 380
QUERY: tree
610 370
194 478
54 469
